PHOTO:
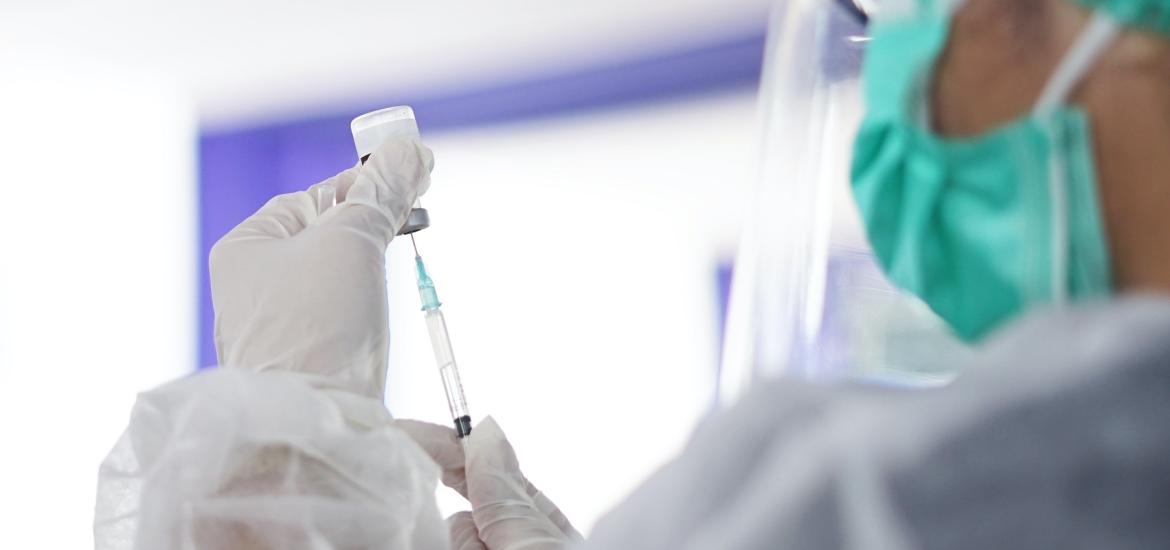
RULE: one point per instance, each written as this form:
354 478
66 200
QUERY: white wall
271 60
576 259
97 275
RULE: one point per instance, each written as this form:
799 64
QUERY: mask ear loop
1097 36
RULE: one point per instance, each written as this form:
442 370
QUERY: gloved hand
464 534
507 511
298 291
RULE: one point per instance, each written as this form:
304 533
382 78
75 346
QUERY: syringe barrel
445 359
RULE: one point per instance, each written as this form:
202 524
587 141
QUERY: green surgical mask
979 228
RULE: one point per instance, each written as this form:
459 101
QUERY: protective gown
1054 437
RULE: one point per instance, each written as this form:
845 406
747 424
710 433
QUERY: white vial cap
371 129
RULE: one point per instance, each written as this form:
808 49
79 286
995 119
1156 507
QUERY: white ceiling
245 61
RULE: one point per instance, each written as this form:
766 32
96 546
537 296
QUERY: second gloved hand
508 512
306 292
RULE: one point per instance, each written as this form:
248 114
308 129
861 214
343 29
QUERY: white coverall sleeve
1055 437
229 459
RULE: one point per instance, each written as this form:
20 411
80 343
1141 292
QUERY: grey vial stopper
417 220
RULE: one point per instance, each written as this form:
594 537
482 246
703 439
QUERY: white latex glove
464 534
508 512
298 291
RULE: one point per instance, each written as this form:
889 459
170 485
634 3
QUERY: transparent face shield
808 298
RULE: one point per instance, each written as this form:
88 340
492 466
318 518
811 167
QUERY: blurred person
1001 135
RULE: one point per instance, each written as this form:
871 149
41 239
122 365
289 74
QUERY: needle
414 244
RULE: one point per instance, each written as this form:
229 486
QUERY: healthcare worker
1012 171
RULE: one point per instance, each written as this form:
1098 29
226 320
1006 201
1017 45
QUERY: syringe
369 131
441 344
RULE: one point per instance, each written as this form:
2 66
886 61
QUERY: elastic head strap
1090 45
1097 36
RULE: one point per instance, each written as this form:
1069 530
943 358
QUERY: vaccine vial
369 131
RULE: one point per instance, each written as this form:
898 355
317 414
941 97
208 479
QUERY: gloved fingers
281 217
380 197
337 184
504 512
443 447
515 525
546 506
403 157
464 534
288 214
399 166
489 451
343 186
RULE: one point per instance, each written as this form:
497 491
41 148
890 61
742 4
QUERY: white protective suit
1055 437
240 460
